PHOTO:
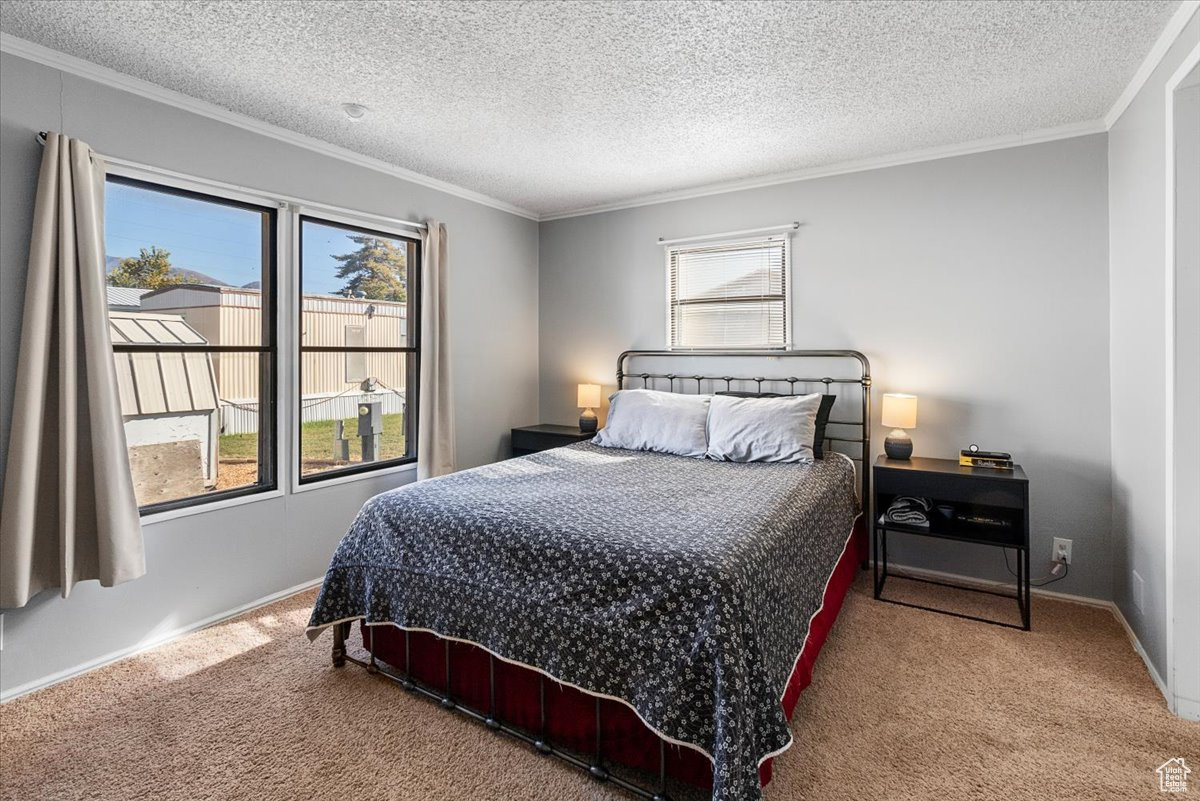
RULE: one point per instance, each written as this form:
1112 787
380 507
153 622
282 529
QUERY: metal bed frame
595 766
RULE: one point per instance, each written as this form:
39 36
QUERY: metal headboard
795 385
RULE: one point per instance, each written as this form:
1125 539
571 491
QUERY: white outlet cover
1060 544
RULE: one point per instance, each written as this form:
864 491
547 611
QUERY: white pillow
647 420
762 429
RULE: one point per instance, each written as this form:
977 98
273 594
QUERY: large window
359 349
191 298
729 295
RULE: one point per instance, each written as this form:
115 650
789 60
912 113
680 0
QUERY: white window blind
729 295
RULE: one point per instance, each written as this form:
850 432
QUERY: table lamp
589 399
899 413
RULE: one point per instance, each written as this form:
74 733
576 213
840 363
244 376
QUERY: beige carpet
905 705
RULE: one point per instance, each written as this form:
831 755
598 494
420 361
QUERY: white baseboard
1137 647
141 647
969 581
989 584
1187 709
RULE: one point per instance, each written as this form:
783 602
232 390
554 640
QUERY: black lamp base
898 445
587 422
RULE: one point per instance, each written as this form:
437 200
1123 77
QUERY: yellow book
994 464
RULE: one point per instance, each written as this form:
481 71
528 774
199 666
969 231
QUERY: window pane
201 260
730 272
190 432
190 270
729 295
748 324
355 287
357 291
346 423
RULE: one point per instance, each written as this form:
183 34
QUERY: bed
648 610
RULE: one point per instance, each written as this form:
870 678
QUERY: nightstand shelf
1010 535
533 439
969 504
976 534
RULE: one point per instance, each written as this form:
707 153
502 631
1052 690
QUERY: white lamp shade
899 411
589 396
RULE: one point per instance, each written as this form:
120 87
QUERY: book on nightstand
996 460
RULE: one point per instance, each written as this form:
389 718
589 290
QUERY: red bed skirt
571 713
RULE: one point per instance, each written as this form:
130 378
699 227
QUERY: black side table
970 504
531 439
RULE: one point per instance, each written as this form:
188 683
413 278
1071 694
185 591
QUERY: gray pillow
827 402
648 420
762 429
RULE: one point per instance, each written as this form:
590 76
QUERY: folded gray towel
910 511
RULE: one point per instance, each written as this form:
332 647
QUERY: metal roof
145 328
188 296
161 383
125 298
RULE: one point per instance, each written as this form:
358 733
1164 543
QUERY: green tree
150 269
378 270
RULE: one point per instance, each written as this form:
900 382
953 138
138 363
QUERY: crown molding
1170 33
40 54
845 167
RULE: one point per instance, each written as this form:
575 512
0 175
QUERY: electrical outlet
1139 591
1062 551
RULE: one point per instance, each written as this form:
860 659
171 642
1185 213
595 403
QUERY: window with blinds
729 295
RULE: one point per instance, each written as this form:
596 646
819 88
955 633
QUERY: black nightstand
531 439
970 504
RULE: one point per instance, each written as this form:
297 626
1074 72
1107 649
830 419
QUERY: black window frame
267 350
412 393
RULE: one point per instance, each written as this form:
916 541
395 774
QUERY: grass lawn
316 444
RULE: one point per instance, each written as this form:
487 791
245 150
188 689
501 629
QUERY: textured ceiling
562 106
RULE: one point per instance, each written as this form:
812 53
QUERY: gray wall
893 262
206 564
1137 222
1186 613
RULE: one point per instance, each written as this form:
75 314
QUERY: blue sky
319 244
223 242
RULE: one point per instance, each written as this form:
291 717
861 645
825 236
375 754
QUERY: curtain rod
284 199
792 226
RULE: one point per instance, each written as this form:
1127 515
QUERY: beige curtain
435 417
69 509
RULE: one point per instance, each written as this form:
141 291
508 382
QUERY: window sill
213 506
727 349
229 503
335 481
